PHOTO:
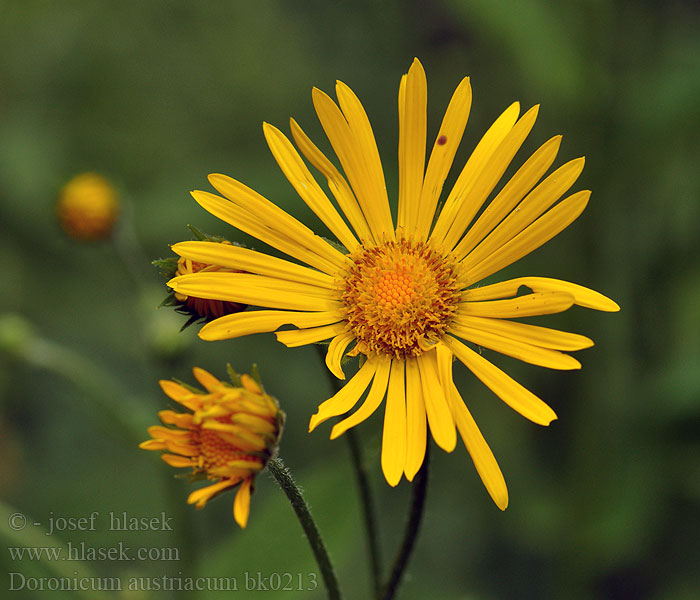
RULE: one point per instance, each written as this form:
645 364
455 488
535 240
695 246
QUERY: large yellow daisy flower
404 293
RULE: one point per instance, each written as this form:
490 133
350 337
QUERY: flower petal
371 403
539 303
347 397
446 143
513 192
582 296
532 237
416 432
481 156
304 183
413 107
489 176
263 321
440 420
534 205
530 334
336 350
302 337
245 259
506 388
543 357
336 182
394 435
265 292
241 503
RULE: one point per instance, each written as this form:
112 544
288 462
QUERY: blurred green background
156 95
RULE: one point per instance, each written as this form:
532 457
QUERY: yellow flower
88 207
228 436
404 294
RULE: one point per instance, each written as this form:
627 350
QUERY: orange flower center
217 452
399 298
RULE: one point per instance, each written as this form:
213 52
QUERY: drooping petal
347 397
394 434
336 350
506 388
371 403
241 503
481 455
201 496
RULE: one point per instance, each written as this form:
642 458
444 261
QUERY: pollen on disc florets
399 297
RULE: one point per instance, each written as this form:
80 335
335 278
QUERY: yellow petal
416 434
539 303
446 143
535 355
371 403
582 296
412 137
201 496
302 337
241 504
336 183
394 434
206 379
534 205
440 419
481 455
336 350
175 460
274 217
489 176
364 144
530 334
506 388
532 237
299 176
263 321
513 192
482 154
264 292
348 395
245 259
243 219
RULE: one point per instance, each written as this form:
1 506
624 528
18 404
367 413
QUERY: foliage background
155 95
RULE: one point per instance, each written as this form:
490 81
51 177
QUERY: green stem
366 498
301 508
420 487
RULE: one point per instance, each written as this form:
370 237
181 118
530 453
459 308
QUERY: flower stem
301 508
420 487
366 498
